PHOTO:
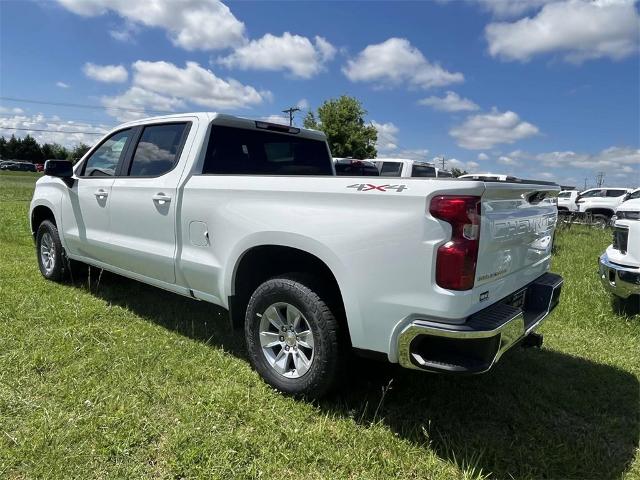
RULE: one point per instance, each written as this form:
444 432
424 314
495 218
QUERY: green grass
118 379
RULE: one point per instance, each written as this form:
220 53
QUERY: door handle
100 193
161 198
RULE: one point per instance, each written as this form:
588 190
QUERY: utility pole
600 179
585 183
443 160
291 111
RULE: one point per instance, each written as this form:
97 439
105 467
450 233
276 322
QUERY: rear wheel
292 337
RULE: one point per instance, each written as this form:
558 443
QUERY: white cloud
505 160
105 73
612 158
396 62
163 86
137 102
191 24
485 130
387 136
483 156
577 29
303 104
511 8
11 110
451 102
62 85
450 163
294 53
67 133
279 119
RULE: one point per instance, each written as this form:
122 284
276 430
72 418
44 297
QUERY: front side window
239 151
391 169
592 193
104 160
158 150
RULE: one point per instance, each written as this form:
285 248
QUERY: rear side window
158 149
104 160
444 173
615 193
391 169
238 151
422 170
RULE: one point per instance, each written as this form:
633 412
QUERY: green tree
29 150
3 148
13 148
456 172
342 121
54 151
77 152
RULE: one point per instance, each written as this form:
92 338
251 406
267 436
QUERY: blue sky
536 88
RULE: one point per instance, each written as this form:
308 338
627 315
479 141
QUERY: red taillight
457 259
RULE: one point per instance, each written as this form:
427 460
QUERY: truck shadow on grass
539 414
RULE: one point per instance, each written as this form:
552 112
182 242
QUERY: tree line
28 149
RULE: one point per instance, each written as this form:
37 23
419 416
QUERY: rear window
390 169
422 170
564 195
615 193
356 168
237 151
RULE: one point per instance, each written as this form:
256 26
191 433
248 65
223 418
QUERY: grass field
117 379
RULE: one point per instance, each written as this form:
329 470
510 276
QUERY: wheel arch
259 262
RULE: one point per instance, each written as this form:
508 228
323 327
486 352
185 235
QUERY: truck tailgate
516 229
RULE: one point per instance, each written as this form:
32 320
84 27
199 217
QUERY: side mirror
60 168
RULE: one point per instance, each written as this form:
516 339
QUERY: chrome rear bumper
477 344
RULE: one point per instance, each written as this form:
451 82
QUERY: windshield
634 195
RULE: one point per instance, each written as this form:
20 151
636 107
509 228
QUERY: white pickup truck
441 275
620 263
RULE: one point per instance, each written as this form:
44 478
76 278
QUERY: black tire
329 350
600 221
47 238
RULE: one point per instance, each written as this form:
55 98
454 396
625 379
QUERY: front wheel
49 252
292 337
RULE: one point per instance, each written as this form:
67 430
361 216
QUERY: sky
533 88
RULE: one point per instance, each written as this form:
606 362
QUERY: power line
51 131
79 105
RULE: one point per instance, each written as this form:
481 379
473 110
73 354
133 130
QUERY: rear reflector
457 259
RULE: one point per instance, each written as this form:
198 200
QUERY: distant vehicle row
602 203
388 167
21 166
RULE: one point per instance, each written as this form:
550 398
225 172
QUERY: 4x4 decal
365 187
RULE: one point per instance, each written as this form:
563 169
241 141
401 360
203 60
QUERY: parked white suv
620 263
567 200
438 275
601 202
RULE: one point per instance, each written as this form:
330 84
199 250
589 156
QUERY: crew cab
437 275
620 263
